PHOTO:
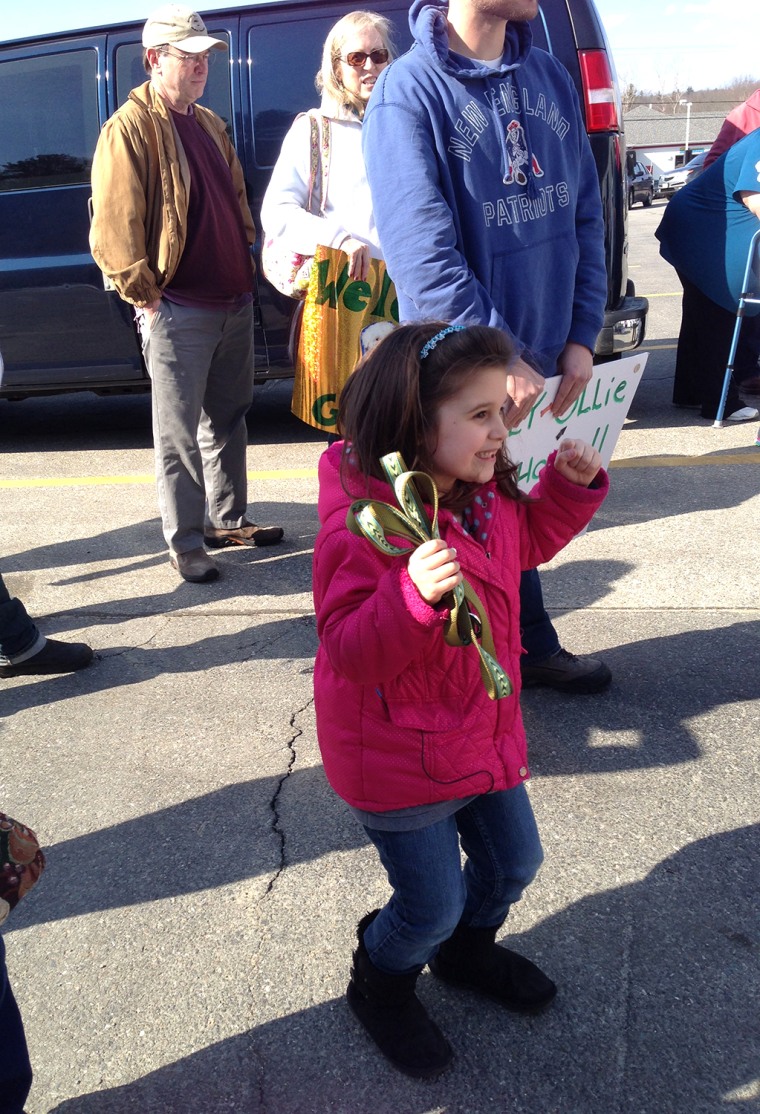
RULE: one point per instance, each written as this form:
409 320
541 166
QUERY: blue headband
428 348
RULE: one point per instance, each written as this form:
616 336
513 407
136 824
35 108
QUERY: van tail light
599 91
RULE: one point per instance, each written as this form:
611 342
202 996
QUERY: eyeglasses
357 58
191 59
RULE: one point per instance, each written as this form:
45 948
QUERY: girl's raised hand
577 461
434 570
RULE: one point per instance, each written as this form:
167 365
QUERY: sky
657 46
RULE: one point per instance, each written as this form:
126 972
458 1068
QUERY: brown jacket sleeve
120 188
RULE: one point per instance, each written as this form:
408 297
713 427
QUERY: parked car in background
641 186
681 175
60 330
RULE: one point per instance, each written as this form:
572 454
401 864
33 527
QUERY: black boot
394 1017
472 958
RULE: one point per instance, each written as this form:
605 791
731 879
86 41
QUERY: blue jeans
431 891
539 638
17 631
15 1069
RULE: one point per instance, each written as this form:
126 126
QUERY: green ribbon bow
374 520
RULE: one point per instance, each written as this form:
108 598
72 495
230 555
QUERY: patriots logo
518 156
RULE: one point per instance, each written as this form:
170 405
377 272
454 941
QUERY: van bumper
624 327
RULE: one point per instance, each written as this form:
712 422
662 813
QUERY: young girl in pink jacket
426 757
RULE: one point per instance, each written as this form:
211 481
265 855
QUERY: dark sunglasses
357 58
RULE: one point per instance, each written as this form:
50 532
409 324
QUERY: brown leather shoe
247 534
195 566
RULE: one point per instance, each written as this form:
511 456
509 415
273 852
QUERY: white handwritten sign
597 417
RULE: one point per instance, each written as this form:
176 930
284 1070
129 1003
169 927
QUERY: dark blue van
60 330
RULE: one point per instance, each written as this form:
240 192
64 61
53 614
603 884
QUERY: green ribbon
374 520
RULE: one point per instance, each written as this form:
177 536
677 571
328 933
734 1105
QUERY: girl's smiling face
470 430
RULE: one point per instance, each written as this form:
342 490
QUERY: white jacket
349 206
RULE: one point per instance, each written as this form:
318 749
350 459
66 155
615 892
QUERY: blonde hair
328 82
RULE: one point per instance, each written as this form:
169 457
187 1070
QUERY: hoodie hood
339 110
428 24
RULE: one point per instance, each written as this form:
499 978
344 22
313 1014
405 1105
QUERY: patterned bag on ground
289 271
21 863
342 319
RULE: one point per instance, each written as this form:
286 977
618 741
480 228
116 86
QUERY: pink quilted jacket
402 718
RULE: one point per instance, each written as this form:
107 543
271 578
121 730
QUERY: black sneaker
54 657
568 673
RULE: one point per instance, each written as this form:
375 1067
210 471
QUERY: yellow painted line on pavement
742 457
104 481
77 481
687 461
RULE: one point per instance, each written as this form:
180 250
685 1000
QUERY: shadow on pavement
668 681
656 1013
117 667
202 843
143 545
659 685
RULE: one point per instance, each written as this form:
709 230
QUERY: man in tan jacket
172 231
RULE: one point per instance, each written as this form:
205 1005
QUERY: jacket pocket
146 323
456 741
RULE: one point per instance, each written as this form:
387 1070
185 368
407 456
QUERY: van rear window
50 126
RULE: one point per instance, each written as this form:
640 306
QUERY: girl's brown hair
390 403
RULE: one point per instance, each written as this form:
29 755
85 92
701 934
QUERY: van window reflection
49 136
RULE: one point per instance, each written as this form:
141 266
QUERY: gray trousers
201 368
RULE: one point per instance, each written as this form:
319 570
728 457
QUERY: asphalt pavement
187 949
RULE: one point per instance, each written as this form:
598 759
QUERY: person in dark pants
26 652
706 233
483 184
21 864
704 343
740 122
15 1066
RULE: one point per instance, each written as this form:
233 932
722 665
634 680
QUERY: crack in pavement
276 827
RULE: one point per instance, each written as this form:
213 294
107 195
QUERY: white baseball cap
173 23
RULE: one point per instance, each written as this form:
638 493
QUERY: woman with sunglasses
355 52
357 49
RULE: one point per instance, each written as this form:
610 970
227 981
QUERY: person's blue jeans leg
431 892
503 852
15 1068
19 637
539 638
424 868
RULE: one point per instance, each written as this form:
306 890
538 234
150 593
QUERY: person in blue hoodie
486 199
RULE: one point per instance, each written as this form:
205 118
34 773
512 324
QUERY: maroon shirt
215 269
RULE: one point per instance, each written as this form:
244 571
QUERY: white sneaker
746 414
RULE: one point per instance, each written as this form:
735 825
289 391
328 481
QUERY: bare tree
629 96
